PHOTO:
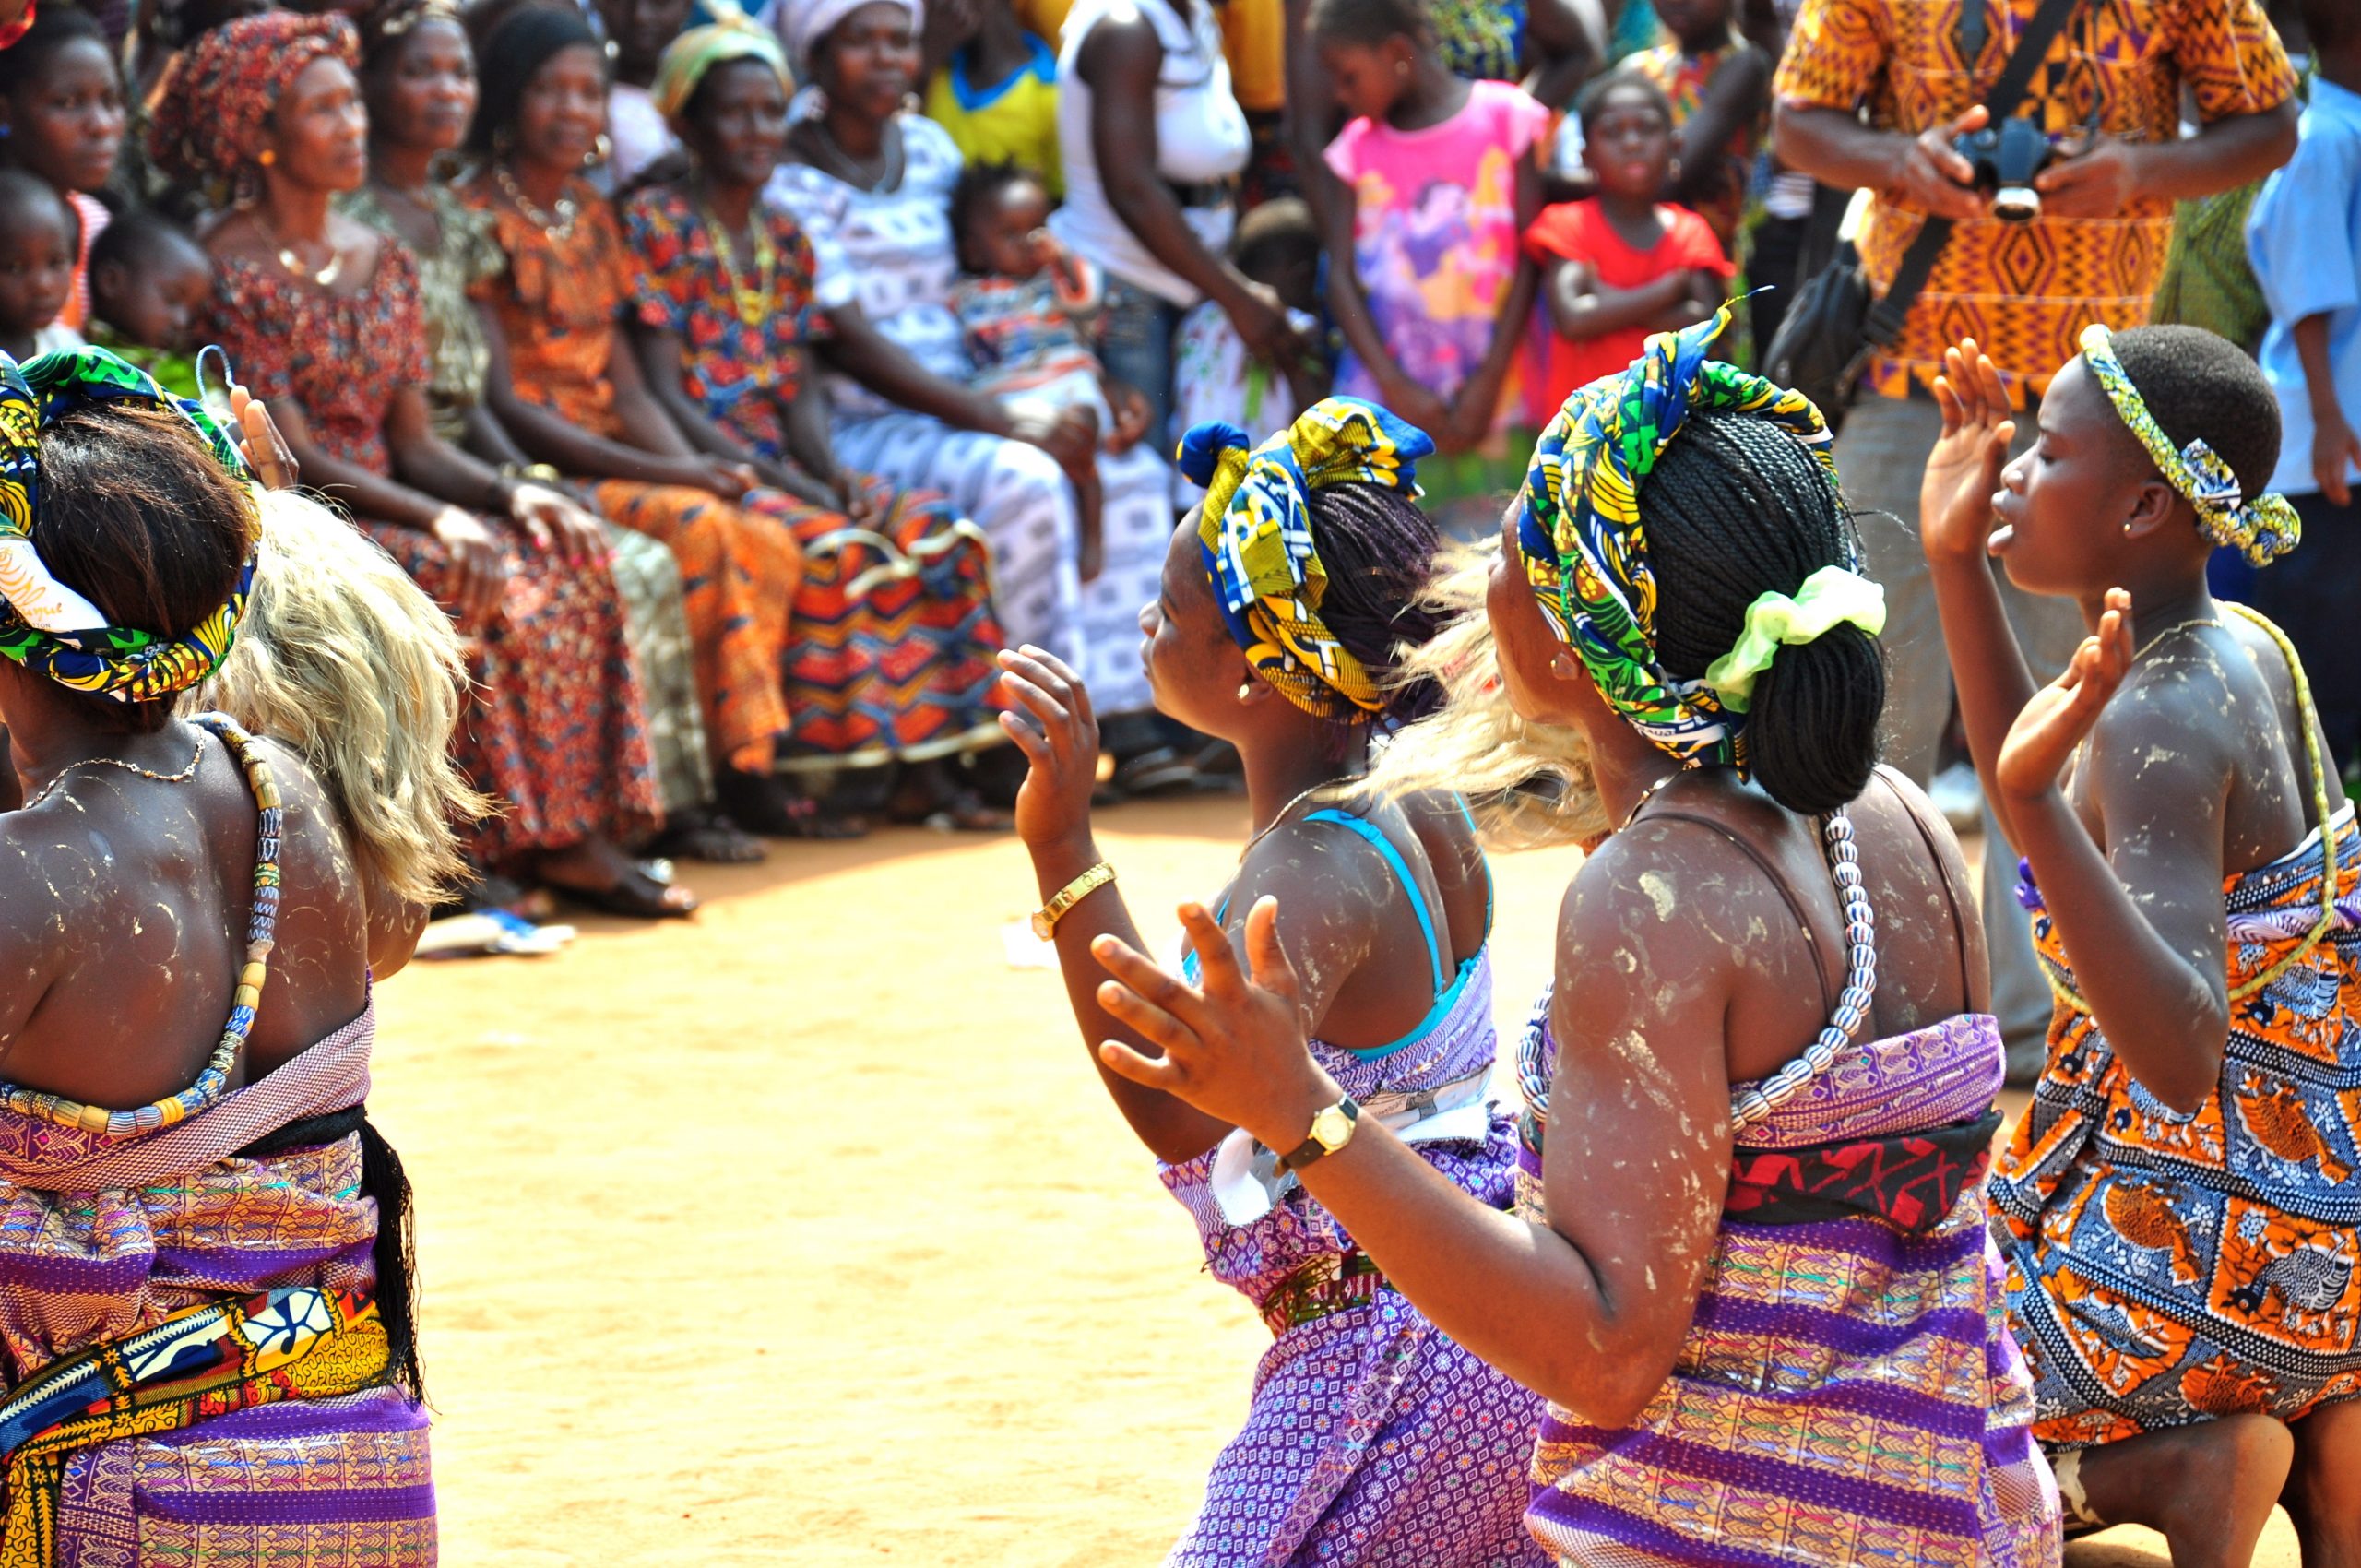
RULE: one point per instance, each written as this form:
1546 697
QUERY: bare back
127 902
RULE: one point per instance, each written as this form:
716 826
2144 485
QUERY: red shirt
1578 231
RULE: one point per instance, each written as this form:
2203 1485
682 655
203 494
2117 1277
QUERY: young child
1425 278
1214 380
996 91
40 242
1719 85
1028 308
2176 1205
2304 237
149 285
1621 265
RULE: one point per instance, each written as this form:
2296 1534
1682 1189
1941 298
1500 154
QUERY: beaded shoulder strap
1754 1102
262 922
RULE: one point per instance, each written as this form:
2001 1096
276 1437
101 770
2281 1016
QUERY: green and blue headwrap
1586 552
47 626
2262 529
1255 528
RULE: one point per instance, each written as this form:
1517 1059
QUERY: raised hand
258 438
2064 712
1964 470
1046 713
1236 1045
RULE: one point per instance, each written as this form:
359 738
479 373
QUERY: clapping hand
1964 470
1236 1045
2064 712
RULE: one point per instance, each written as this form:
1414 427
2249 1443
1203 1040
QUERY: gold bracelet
1046 918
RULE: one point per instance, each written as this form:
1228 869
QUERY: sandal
766 806
711 838
635 896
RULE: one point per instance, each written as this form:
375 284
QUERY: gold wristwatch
1046 917
1331 1130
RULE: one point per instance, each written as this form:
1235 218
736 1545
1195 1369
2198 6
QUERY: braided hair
1379 548
1811 730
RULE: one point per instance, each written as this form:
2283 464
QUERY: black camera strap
1883 324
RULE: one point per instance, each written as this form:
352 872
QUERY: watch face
1041 926
1332 1128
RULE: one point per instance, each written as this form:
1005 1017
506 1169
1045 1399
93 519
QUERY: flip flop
635 896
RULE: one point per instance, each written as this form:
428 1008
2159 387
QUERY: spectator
2025 295
1214 380
1719 85
637 31
1154 143
1621 265
871 185
996 89
37 249
62 118
2305 238
150 285
1427 276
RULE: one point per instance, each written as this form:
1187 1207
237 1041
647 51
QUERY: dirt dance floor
804 1233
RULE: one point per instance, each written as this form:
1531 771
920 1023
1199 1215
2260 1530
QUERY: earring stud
1245 690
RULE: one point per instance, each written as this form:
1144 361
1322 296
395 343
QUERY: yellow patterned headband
1255 528
2264 528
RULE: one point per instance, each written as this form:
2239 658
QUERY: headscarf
1586 552
2263 530
730 36
1255 530
513 53
47 626
213 121
806 23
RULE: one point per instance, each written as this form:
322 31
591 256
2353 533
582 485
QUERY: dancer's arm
1589 1310
1956 522
1314 869
2143 921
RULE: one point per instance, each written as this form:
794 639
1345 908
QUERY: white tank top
1200 136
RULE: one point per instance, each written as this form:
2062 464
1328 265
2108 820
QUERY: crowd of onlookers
741 381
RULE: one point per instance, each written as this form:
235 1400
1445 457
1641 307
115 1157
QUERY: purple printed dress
1372 1438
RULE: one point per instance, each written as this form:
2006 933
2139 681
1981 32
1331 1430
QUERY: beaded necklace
556 227
262 923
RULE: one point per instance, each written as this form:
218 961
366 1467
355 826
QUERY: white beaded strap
1758 1100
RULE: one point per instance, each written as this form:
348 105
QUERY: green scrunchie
1830 597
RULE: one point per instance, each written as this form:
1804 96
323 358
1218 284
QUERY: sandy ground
804 1234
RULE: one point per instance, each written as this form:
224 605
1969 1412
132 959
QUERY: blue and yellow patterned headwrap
2263 530
47 626
1256 532
1585 552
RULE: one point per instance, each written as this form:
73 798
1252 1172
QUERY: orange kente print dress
2163 1269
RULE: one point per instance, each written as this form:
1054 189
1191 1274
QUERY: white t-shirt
1201 136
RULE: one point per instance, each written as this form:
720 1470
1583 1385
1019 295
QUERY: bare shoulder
1654 897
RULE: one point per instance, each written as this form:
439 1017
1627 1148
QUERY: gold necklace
753 304
557 227
2149 647
1648 794
293 263
182 777
1280 820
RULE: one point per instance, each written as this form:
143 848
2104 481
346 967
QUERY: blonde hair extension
1530 784
347 661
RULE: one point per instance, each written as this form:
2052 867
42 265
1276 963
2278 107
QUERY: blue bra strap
1402 871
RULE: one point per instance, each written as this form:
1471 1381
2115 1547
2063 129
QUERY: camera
2006 157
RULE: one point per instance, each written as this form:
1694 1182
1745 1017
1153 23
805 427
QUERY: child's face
1695 22
2061 505
1005 236
1366 79
36 268
68 123
1628 147
158 303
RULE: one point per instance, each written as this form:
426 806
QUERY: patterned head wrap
47 626
213 119
730 36
1586 552
806 23
1255 528
2263 530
